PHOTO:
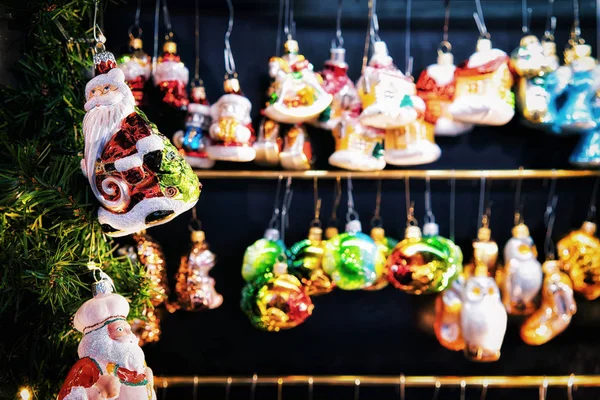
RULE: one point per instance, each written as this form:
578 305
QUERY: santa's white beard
99 346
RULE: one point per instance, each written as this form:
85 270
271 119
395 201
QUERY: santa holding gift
111 363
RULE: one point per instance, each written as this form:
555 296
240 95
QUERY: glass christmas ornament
352 258
520 280
136 174
337 83
587 151
231 129
297 150
262 255
194 141
579 253
357 147
421 265
483 87
557 308
437 87
485 252
448 306
306 263
195 288
268 144
296 94
172 76
388 97
147 329
137 68
413 144
150 255
276 300
385 245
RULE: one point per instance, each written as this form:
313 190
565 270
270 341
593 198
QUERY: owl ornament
483 88
423 265
193 142
557 308
357 147
483 317
388 97
352 259
296 154
520 280
231 130
579 253
136 174
337 83
171 77
268 144
448 307
296 94
437 87
305 260
137 68
262 255
195 288
276 300
385 245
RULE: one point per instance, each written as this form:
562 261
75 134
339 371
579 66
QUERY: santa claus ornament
136 66
195 140
111 364
357 147
136 174
483 93
171 77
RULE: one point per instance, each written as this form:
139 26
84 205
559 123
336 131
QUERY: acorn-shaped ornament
195 288
262 255
137 68
172 76
268 144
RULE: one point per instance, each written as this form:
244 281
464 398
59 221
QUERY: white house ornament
136 174
483 88
437 87
268 144
412 144
111 364
171 76
520 280
194 141
388 97
296 154
137 67
296 94
231 130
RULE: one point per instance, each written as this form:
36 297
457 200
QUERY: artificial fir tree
48 227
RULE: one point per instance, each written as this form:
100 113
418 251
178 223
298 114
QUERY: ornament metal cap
198 236
484 44
412 232
232 85
102 286
338 56
520 231
170 47
377 233
331 231
551 267
315 233
136 43
431 229
445 58
291 47
484 234
380 48
589 227
272 234
354 226
481 270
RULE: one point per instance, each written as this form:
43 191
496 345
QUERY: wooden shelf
400 174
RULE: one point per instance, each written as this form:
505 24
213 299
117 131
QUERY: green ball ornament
262 255
306 263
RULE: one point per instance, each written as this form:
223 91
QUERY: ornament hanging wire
228 54
195 224
518 202
543 389
550 22
310 388
408 57
337 198
480 221
288 20
274 222
279 28
402 387
549 218
484 387
338 42
167 21
197 42
445 46
370 32
410 205
351 215
316 222
280 389
377 221
99 37
195 392
253 387
452 206
228 387
591 216
463 390
480 21
436 391
285 208
135 30
156 30
356 389
429 217
570 384
576 32
526 17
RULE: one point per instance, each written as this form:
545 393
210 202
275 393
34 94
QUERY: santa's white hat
103 308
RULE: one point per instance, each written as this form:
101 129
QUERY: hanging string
287 202
518 204
480 21
195 224
376 221
279 27
197 40
549 218
317 204
274 221
99 37
429 217
408 58
480 222
452 206
597 29
370 32
410 206
351 215
136 23
167 21
288 21
526 15
338 42
156 19
337 198
228 54
591 216
138 13
550 22
446 20
576 29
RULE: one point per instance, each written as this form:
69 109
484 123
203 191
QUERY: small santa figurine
136 174
172 77
388 97
194 141
231 130
137 68
111 363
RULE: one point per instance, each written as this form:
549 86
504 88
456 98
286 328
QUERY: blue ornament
587 151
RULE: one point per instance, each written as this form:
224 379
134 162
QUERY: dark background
385 332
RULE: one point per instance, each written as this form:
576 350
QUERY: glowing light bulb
25 393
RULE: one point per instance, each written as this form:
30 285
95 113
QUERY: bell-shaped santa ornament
194 141
557 308
579 253
172 76
137 68
195 288
388 97
448 306
483 316
483 87
262 255
297 150
357 147
337 83
136 174
352 258
268 144
296 94
277 300
385 245
520 280
231 131
306 263
437 87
